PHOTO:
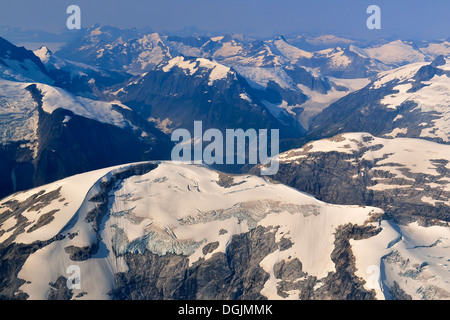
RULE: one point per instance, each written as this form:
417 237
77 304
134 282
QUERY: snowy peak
100 33
43 53
396 53
435 49
20 64
192 66
316 43
290 52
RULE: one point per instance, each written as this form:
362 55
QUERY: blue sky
402 18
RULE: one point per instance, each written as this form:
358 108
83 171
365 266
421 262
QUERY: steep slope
408 178
20 64
187 89
206 236
410 101
47 133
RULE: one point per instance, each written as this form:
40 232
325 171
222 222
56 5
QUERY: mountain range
359 208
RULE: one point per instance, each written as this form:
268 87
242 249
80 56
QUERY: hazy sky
403 18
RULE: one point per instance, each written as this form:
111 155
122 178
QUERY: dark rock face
210 247
438 61
11 52
300 75
237 275
342 178
290 271
12 258
343 284
83 145
340 285
397 293
82 254
233 275
59 290
183 99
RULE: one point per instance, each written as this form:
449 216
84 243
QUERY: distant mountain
184 90
21 35
117 49
410 101
306 81
78 77
20 64
435 49
396 53
321 42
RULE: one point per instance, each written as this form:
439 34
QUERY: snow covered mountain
117 49
47 133
307 81
410 101
185 90
20 64
77 77
396 53
159 230
408 178
321 42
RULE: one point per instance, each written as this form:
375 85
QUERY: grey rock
59 290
